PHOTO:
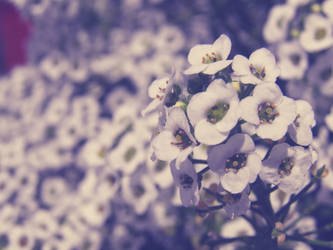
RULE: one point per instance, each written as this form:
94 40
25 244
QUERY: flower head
259 68
209 58
236 162
317 34
185 178
163 91
175 140
300 130
287 167
275 29
268 111
214 113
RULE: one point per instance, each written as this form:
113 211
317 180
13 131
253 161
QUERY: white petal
274 131
240 65
151 106
194 69
287 109
156 86
206 133
198 106
213 68
222 45
269 175
301 135
268 92
235 182
254 164
249 110
262 57
163 147
197 52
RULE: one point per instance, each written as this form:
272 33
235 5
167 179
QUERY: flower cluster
232 107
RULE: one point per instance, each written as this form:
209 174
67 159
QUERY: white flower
236 162
276 27
317 33
293 60
163 91
300 130
175 140
209 58
287 167
214 113
139 191
268 111
128 155
259 68
186 179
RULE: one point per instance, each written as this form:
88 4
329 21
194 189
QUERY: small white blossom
164 92
288 167
317 33
293 60
175 140
214 113
236 162
268 111
209 58
276 27
300 130
259 68
186 179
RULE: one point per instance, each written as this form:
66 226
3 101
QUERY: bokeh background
75 167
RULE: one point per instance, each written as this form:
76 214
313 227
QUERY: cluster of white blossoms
231 109
300 35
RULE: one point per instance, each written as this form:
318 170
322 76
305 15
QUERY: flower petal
268 92
254 165
222 45
197 52
194 69
235 182
274 131
241 65
249 110
262 57
213 68
198 106
163 147
206 133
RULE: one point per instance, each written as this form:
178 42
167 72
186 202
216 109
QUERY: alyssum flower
209 58
236 162
300 130
186 179
163 91
259 68
175 140
214 113
269 112
287 167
